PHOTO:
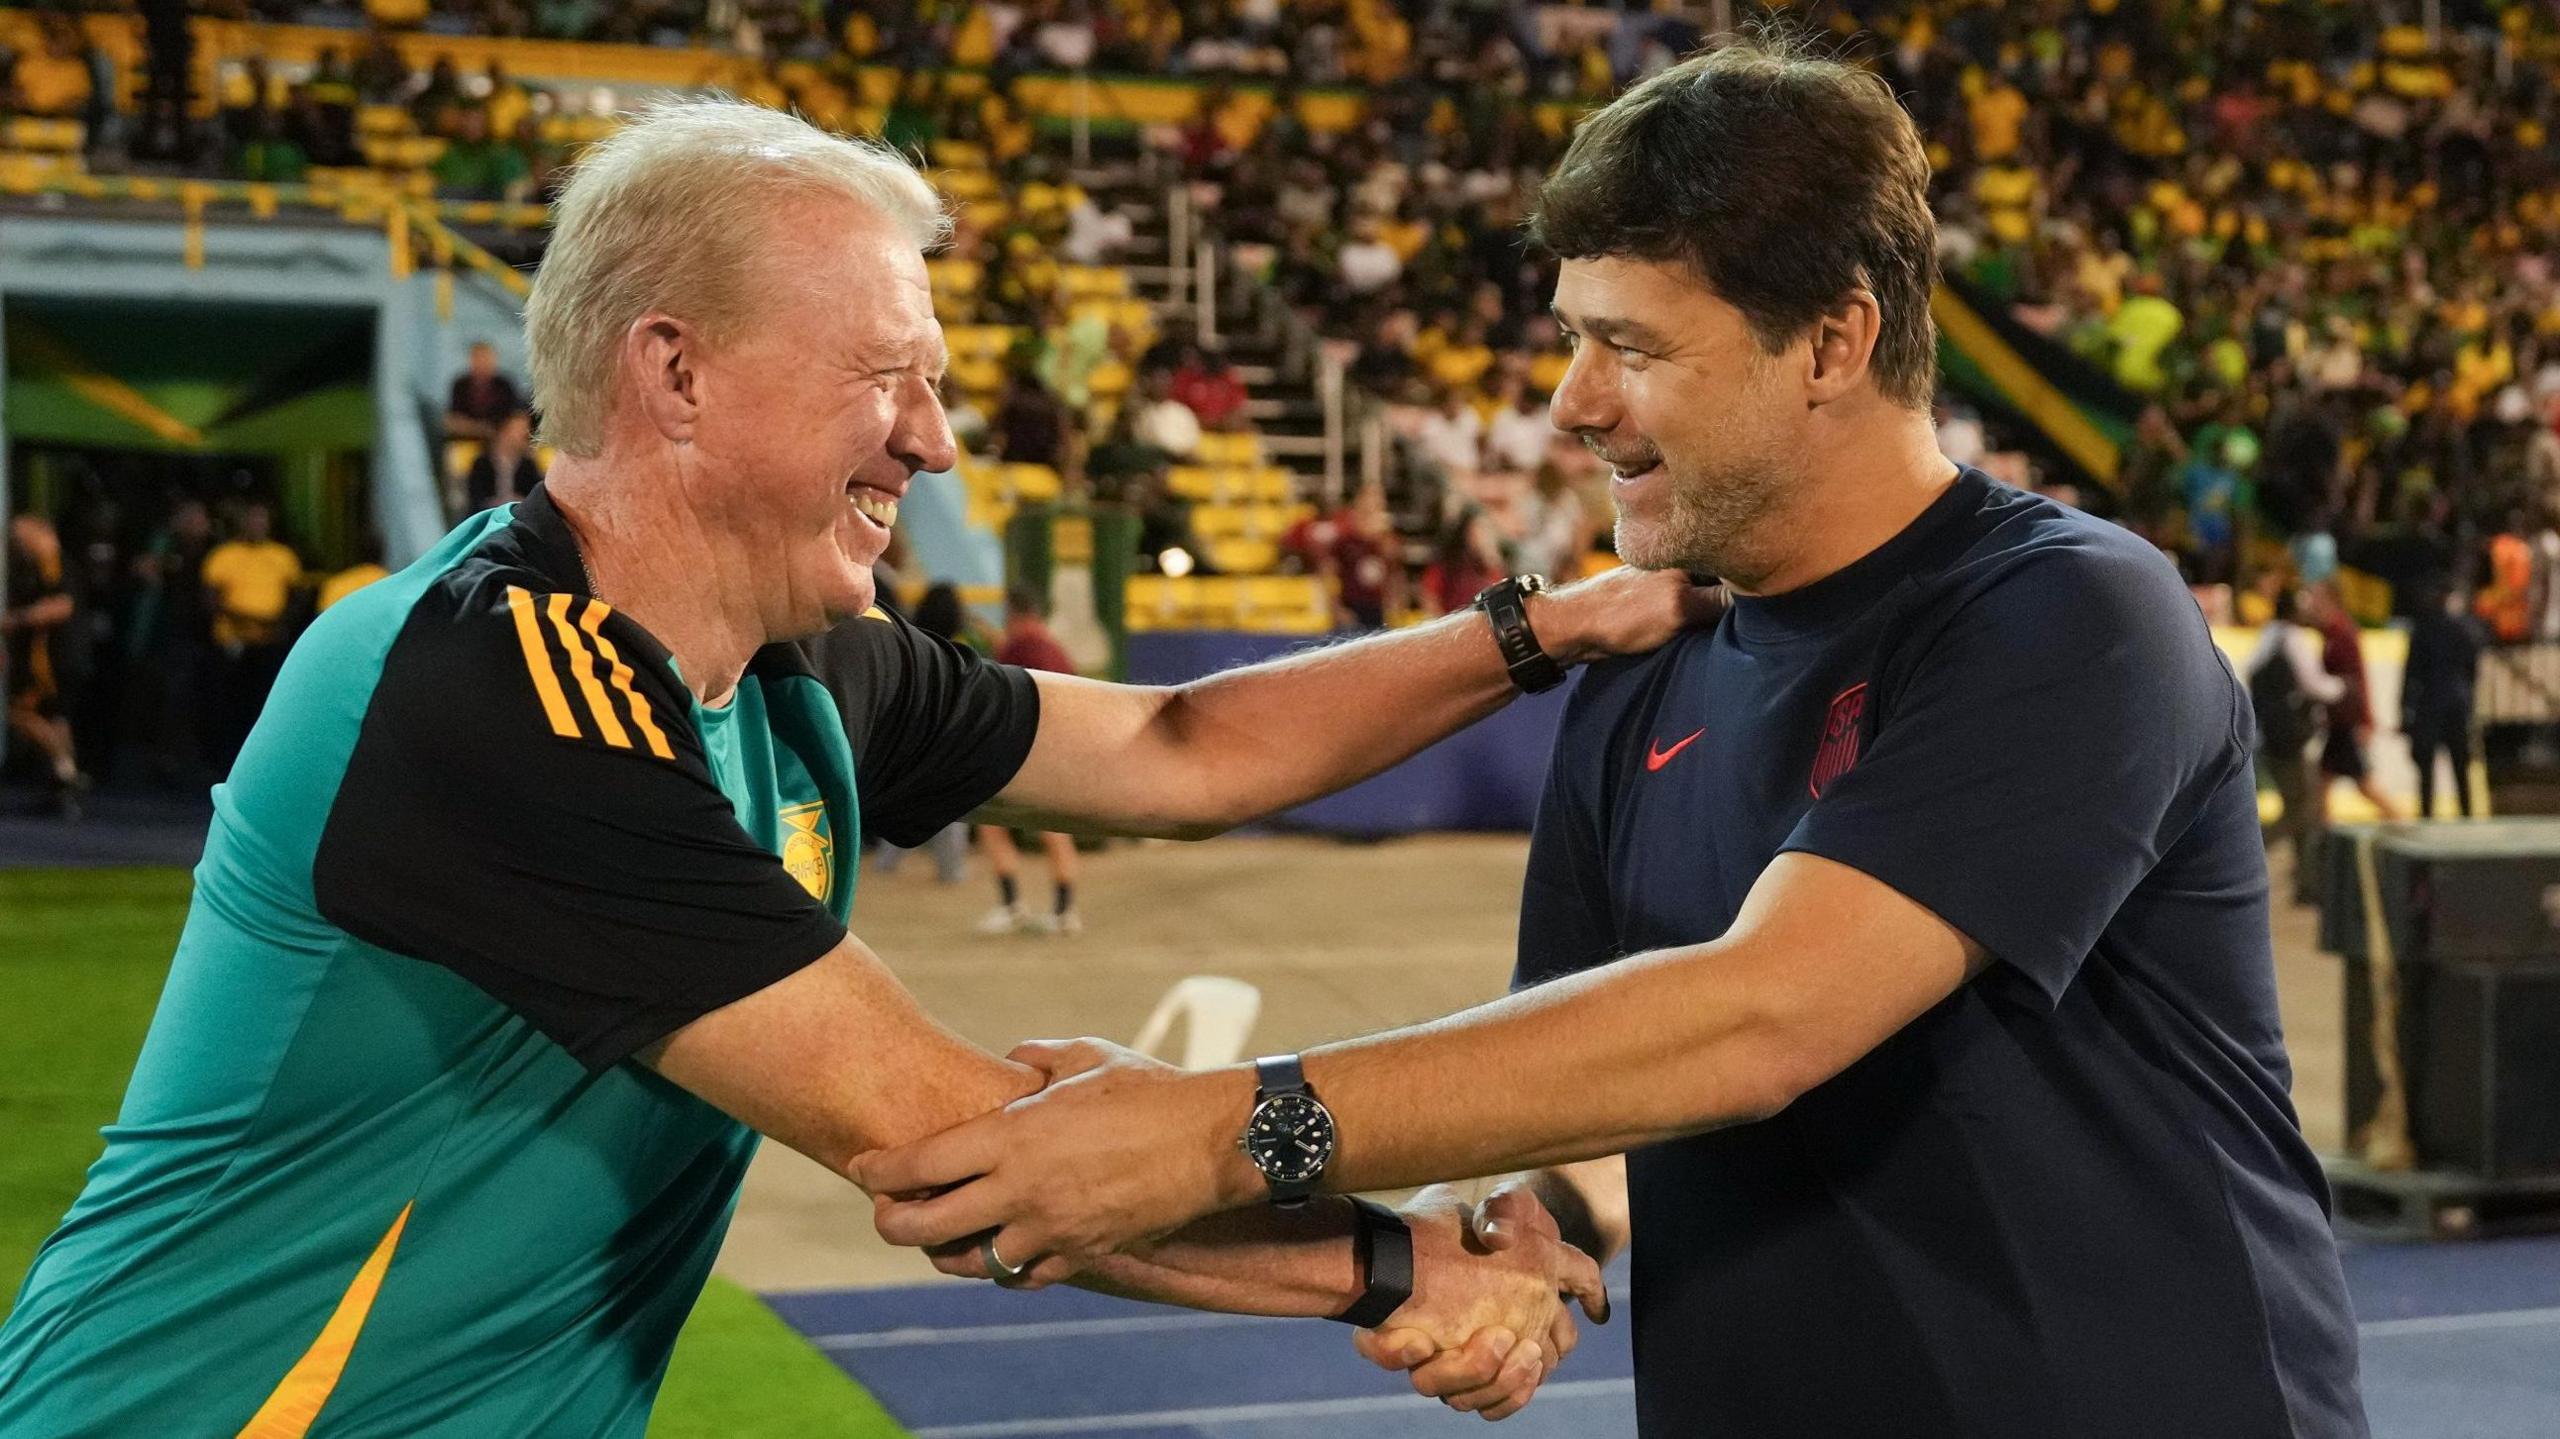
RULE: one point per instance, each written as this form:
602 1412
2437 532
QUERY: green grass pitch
84 955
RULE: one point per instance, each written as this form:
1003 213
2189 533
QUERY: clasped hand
1119 1149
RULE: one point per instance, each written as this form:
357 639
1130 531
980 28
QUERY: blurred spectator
505 470
1030 425
2287 685
1120 457
940 614
270 153
1167 541
1452 434
368 569
1521 430
2347 723
172 628
1163 422
250 580
1206 383
1557 531
2436 693
1029 644
38 617
1355 550
1468 558
477 166
482 398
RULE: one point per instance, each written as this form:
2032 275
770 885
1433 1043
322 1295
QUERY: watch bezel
1305 1119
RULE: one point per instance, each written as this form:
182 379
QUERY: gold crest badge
808 851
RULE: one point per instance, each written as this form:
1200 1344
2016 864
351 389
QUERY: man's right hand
1489 1319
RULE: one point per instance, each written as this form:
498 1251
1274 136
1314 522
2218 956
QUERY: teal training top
383 1167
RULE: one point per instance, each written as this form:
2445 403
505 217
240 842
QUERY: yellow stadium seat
1135 316
977 376
408 152
1221 522
1192 482
382 122
1225 449
46 137
1243 556
458 455
966 185
1547 371
959 155
1031 482
989 342
1111 377
954 275
1079 282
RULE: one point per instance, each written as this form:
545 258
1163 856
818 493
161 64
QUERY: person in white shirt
1452 435
1164 421
1518 437
2283 739
1369 264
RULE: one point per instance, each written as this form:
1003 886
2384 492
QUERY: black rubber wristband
1383 1246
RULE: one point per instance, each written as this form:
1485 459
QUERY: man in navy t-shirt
1894 959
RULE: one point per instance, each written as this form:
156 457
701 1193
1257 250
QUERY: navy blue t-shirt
2073 1199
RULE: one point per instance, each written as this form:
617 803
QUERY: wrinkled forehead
857 278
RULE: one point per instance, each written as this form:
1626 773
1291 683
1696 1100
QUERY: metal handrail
403 219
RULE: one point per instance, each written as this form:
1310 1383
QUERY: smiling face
1693 417
816 414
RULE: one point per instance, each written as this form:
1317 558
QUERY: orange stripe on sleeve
295 1402
538 660
589 621
582 667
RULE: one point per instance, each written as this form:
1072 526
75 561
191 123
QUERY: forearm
1275 735
1291 1264
1650 1048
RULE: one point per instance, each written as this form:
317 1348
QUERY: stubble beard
1721 521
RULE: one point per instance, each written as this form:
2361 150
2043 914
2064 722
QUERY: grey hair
667 215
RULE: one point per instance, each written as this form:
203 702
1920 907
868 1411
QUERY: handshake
1109 1174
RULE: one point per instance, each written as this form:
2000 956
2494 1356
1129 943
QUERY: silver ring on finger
1005 1275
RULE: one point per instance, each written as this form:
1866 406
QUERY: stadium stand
2269 281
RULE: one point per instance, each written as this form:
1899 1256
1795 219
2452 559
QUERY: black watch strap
1277 1074
1506 604
1383 1245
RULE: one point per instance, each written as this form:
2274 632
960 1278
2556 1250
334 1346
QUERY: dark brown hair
1785 179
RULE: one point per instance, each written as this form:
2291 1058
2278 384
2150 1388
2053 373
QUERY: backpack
2283 710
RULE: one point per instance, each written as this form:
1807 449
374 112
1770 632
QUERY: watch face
1289 1138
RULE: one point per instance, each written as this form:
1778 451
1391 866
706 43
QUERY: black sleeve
936 729
455 399
1565 922
528 805
2038 755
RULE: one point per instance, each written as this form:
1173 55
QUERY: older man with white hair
524 911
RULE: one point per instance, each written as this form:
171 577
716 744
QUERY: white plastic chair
1221 1014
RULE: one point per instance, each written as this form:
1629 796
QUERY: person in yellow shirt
1999 115
367 569
2142 328
249 582
250 579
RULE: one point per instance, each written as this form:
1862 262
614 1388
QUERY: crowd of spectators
2310 243
147 622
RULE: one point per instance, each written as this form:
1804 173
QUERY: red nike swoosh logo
1655 757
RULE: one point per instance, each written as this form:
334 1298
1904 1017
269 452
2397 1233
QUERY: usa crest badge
1841 729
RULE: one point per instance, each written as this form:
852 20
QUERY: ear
664 361
1844 341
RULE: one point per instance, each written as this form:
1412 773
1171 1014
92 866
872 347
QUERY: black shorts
2342 755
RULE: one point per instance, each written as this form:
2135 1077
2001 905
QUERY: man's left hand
1118 1148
